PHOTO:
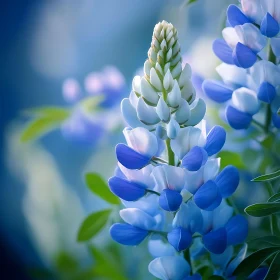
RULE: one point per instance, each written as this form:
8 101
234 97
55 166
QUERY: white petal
211 169
169 268
138 218
141 140
232 74
245 100
155 81
230 36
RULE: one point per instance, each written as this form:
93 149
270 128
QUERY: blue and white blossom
168 175
251 78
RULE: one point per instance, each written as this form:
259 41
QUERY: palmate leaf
263 209
267 177
46 119
252 262
93 224
274 269
97 185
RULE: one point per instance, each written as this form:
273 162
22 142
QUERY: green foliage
93 224
267 177
274 271
252 262
274 198
216 277
45 119
97 185
264 242
263 209
65 263
90 104
231 158
106 266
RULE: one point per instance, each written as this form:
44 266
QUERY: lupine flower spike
168 177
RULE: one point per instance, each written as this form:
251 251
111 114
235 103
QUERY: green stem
154 192
171 156
187 257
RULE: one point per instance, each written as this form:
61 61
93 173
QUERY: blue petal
215 203
170 200
180 238
236 261
222 260
216 241
266 92
237 230
130 158
235 16
258 274
206 195
243 56
215 140
217 91
126 190
194 159
119 173
223 51
237 119
227 181
269 26
127 235
276 120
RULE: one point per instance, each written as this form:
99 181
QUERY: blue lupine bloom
225 264
250 77
174 191
86 127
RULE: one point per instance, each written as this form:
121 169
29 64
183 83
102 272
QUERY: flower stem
171 156
187 257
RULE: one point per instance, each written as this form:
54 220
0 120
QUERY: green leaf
97 185
267 177
274 269
262 209
264 242
252 262
47 118
231 158
216 277
105 267
59 112
93 224
274 198
278 112
90 104
65 263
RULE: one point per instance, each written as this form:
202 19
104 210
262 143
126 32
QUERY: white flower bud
163 110
136 84
154 79
168 80
174 96
146 113
183 113
148 92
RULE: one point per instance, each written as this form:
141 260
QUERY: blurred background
57 53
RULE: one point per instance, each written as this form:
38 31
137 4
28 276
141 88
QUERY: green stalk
187 257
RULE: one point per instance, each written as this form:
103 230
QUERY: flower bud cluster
251 78
168 177
164 98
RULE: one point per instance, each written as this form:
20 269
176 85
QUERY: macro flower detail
250 76
168 176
